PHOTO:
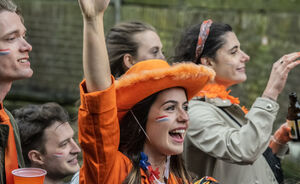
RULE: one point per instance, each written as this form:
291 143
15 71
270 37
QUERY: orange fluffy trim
214 90
182 71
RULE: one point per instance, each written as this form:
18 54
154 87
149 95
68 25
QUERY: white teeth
23 60
181 131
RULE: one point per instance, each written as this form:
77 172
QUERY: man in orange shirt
14 65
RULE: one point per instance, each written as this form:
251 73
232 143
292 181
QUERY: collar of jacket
215 101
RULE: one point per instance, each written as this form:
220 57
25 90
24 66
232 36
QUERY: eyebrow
155 47
174 102
15 32
66 140
235 47
170 101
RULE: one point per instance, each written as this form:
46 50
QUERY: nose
161 56
183 116
245 57
75 147
25 47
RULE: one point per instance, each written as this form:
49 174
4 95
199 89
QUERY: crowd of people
141 119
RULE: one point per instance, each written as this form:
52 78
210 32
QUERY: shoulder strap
3 142
230 116
272 160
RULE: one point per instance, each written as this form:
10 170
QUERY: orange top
11 158
99 135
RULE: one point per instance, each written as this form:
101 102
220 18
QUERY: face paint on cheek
4 52
162 118
58 155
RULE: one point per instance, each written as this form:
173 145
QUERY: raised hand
96 67
92 8
279 74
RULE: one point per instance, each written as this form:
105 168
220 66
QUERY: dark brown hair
185 50
7 5
120 41
32 121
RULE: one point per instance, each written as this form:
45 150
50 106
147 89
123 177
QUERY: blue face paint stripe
162 118
4 52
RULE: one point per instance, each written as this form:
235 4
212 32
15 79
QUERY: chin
74 169
29 73
175 150
240 80
244 78
25 75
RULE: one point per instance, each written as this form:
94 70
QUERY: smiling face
230 62
150 46
61 151
14 48
167 123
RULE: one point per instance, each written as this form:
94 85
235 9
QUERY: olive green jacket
218 146
4 129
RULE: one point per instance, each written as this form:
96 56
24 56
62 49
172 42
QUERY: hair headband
203 34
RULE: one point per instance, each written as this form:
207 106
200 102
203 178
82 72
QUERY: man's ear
128 61
35 157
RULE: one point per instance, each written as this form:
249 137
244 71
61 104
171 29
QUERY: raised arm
95 59
276 83
279 74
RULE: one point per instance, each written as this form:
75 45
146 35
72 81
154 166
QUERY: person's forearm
95 57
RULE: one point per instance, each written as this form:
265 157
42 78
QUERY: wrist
277 141
269 96
93 19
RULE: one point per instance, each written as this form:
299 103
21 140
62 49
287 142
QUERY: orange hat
148 77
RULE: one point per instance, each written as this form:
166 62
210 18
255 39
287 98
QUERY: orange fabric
11 157
148 77
214 90
99 135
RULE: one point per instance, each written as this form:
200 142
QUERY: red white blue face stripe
4 52
58 155
162 118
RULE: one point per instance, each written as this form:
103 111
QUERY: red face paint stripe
4 51
162 118
58 154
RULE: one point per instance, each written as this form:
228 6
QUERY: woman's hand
96 67
279 74
92 8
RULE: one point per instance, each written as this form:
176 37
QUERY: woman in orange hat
225 140
149 101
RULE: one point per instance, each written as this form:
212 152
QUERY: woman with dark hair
131 42
224 140
150 101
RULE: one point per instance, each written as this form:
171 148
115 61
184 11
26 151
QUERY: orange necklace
214 90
